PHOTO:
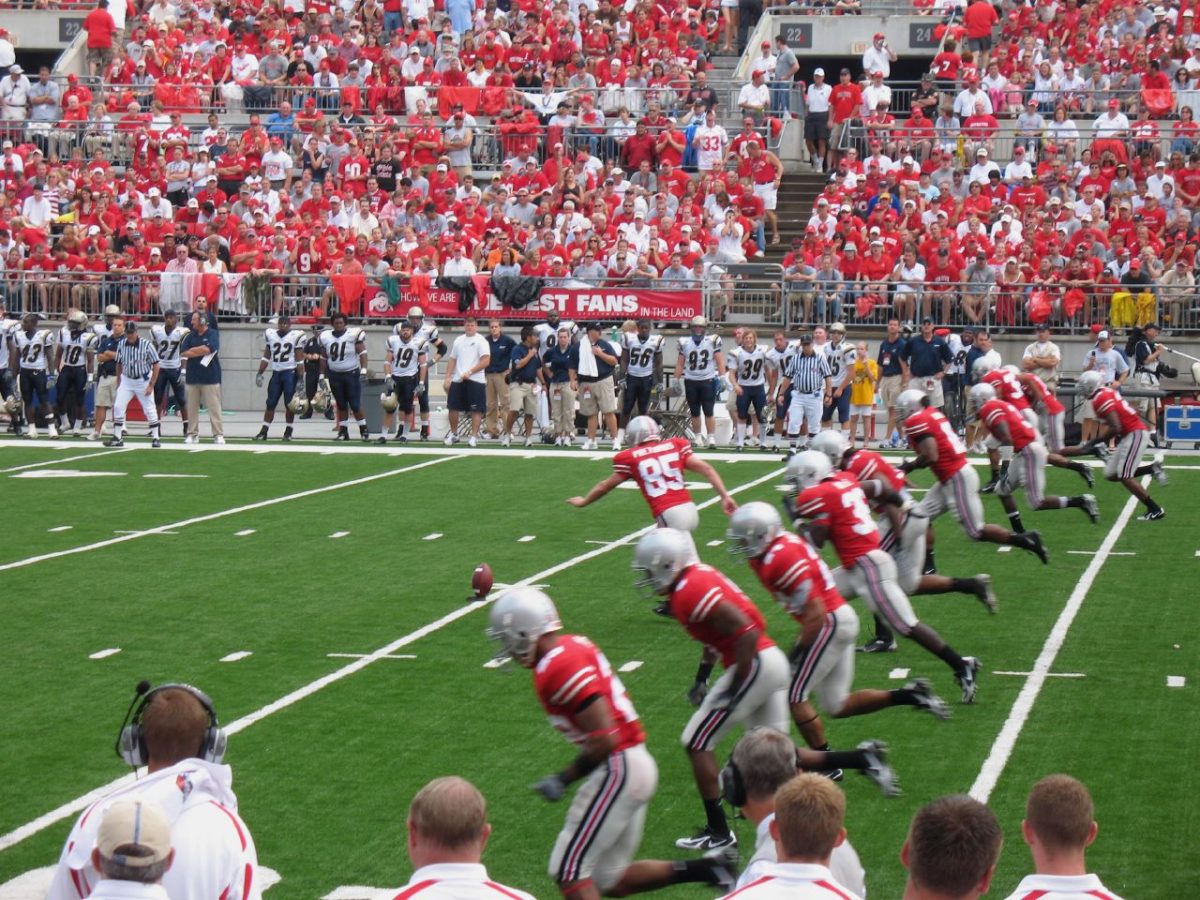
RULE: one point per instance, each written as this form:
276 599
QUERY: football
482 580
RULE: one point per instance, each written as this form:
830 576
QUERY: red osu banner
582 304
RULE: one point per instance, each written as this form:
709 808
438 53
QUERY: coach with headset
174 732
762 762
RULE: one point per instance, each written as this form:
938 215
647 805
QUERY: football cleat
114 442
424 432
1088 476
724 866
927 700
878 769
1100 449
156 443
1152 515
663 609
990 487
1157 470
261 436
985 593
1092 508
343 434
878 645
704 840
968 679
381 440
832 774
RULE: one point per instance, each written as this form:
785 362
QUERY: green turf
337 769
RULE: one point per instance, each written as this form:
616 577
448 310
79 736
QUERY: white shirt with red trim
1061 887
844 863
794 881
215 857
457 881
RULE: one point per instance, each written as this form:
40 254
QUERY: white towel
587 360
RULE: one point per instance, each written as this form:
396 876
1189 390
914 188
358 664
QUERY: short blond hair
1060 812
810 810
450 812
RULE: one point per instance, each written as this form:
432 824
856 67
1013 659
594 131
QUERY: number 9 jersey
657 468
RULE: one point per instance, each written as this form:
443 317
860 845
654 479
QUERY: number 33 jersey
657 468
574 674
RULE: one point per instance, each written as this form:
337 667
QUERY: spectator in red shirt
100 28
638 147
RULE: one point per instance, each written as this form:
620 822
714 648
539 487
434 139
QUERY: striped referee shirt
808 373
137 360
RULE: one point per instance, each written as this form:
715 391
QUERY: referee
812 383
137 370
816 119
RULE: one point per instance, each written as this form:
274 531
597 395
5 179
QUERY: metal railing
748 293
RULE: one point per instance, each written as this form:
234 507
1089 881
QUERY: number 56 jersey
657 468
575 673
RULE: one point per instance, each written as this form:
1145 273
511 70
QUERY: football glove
420 389
323 383
258 379
551 788
788 502
90 378
697 692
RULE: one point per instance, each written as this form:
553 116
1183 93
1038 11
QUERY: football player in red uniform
930 434
1028 468
1051 424
752 691
1119 419
837 505
987 370
823 658
586 701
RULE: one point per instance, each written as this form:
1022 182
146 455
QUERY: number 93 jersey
642 353
339 348
699 356
575 673
749 366
657 468
280 349
840 504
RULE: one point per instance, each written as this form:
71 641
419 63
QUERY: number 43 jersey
657 468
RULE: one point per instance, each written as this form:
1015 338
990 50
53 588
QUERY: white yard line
65 459
80 803
1006 740
209 517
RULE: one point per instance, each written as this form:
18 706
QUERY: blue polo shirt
890 354
106 345
603 369
526 374
197 373
502 350
561 363
926 358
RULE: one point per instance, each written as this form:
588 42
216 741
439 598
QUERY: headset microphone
143 688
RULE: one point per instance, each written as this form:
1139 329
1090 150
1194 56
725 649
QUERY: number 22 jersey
657 468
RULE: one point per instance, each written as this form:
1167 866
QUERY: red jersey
698 592
1108 400
929 422
1007 387
1021 432
794 572
575 672
1039 391
867 465
839 503
657 467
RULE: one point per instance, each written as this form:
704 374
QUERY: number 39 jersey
839 503
952 455
280 349
657 468
575 673
699 356
749 366
406 356
339 348
642 353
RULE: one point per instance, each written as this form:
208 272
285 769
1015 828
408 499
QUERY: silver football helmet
807 468
389 401
1090 382
323 398
659 558
641 430
1011 370
832 444
112 310
518 618
909 402
983 365
12 404
299 403
77 317
978 395
753 528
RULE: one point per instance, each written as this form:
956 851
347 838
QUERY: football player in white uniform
641 363
167 337
406 368
547 332
73 363
7 388
105 329
31 351
344 365
752 379
427 333
281 351
842 355
699 362
779 357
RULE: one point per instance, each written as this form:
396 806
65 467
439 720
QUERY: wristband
584 765
704 671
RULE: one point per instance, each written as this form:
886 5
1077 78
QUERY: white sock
741 433
265 424
118 428
154 432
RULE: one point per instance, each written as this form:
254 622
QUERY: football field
318 596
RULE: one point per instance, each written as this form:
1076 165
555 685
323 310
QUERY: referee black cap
806 338
130 325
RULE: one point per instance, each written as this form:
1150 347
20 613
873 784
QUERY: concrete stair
797 192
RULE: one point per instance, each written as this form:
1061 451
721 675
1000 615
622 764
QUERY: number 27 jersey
657 468
575 672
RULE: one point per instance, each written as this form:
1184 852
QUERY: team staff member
200 349
559 362
951 851
465 384
597 395
73 361
698 363
30 359
406 367
133 847
312 371
447 831
893 373
167 338
344 365
282 352
809 380
816 119
641 362
107 338
927 355
524 376
500 350
175 733
137 370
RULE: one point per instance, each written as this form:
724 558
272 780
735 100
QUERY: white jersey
8 328
547 334
215 854
710 146
841 361
407 356
642 353
102 330
32 349
779 360
281 350
1062 887
457 881
74 346
167 343
749 367
339 349
427 335
794 881
699 356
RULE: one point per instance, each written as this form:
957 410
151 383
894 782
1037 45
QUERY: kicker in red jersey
839 503
573 672
657 468
1107 400
793 571
1021 431
929 422
697 594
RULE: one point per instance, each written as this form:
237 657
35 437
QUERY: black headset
733 786
131 741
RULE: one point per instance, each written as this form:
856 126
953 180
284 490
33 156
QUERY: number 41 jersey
657 468
575 672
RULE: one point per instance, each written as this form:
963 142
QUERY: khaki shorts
106 391
521 398
597 396
932 388
890 387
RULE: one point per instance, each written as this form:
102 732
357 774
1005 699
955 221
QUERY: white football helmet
518 618
909 402
806 468
1011 370
112 310
983 365
299 403
832 444
415 312
659 558
753 528
1090 382
978 395
322 399
389 401
77 317
699 322
641 430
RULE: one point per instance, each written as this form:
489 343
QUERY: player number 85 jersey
575 672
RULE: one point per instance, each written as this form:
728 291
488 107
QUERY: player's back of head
810 810
449 812
766 761
952 848
1060 812
174 724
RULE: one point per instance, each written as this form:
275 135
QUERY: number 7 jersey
657 468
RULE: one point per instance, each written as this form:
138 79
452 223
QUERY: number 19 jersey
657 468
